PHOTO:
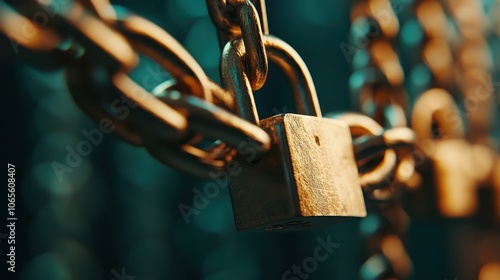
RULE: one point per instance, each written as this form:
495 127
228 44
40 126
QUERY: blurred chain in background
113 212
377 92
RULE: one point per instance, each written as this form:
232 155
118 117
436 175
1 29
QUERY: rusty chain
450 97
382 140
174 127
376 85
169 127
240 18
176 131
461 106
173 120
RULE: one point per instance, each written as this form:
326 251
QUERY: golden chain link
463 157
382 140
169 127
67 35
173 119
459 59
84 52
240 19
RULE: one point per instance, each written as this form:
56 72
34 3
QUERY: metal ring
174 123
438 57
158 44
240 18
386 59
235 80
151 40
71 20
361 125
220 12
436 106
43 48
371 93
431 14
185 158
368 148
25 32
87 94
381 13
101 8
213 123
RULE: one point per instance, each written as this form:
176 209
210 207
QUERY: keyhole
317 140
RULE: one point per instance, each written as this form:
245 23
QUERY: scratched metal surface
119 214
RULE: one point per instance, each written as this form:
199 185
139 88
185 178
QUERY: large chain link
170 126
240 18
191 123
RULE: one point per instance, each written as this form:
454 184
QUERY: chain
381 136
373 144
191 123
169 124
181 113
240 18
461 47
462 157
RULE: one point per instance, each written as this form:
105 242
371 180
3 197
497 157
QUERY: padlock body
455 186
309 177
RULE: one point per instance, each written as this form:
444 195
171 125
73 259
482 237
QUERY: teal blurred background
119 208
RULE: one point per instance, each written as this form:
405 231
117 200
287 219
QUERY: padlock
482 160
309 177
456 188
448 151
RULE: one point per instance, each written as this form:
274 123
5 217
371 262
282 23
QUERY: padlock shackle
235 79
436 106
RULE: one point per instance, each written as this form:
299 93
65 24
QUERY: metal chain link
382 140
456 47
240 19
85 53
462 156
376 82
171 134
90 39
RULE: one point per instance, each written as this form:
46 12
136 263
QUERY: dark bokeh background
119 207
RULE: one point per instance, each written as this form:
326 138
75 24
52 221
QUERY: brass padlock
456 187
309 177
448 151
